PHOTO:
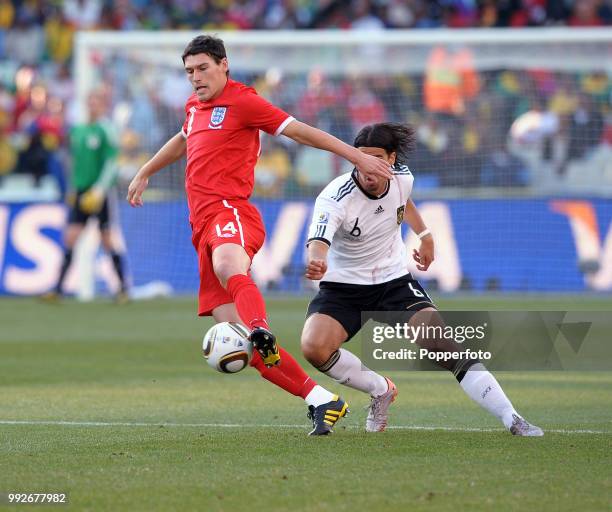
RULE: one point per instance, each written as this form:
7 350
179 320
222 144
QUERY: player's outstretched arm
316 264
424 256
366 164
170 152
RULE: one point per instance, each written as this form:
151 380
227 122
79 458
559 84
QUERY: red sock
292 369
289 375
249 302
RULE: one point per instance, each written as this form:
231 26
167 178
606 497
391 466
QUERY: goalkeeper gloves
91 201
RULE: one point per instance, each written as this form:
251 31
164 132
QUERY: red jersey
223 145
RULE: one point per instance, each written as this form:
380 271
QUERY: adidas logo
380 209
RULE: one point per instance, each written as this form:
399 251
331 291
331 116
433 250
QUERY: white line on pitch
255 425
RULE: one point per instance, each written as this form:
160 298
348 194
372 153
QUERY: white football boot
378 411
521 427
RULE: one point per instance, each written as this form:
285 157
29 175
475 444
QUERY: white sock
319 396
480 385
349 370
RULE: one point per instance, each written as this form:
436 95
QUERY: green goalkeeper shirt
93 148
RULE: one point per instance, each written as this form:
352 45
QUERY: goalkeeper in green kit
93 148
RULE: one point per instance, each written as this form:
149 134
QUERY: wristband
424 233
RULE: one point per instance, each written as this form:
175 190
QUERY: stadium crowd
296 14
466 125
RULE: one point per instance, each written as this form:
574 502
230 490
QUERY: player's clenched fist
315 269
135 190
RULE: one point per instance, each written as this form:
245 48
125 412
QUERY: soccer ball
226 347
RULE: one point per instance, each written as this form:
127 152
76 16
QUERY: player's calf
482 387
478 383
346 368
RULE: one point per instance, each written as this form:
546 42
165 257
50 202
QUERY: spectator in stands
364 107
320 94
450 81
314 169
131 155
503 169
8 155
280 14
244 14
470 153
270 14
7 14
125 16
83 14
273 169
24 77
432 145
509 97
7 105
34 109
396 101
59 35
598 86
459 14
25 43
34 160
365 17
62 85
587 13
586 126
530 13
427 14
143 116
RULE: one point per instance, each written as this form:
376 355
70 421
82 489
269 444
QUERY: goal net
512 169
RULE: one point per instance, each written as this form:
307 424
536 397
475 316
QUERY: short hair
392 137
210 45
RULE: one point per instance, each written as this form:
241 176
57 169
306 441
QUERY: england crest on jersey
217 117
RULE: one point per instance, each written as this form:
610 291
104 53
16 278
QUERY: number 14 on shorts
227 231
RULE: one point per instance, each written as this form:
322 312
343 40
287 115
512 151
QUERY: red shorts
226 222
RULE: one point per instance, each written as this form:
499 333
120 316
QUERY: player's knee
315 352
224 270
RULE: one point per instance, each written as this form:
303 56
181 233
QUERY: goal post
343 51
512 129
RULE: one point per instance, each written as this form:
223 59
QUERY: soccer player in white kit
356 249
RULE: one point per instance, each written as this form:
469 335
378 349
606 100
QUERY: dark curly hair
392 137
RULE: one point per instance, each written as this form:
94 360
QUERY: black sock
63 270
118 264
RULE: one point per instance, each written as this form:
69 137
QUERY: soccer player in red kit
220 136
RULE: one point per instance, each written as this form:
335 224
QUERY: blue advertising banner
514 245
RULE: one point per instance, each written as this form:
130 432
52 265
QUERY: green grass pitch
147 425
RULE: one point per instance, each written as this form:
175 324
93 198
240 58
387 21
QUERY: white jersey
362 230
